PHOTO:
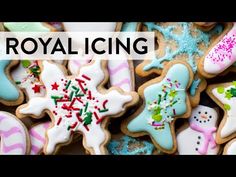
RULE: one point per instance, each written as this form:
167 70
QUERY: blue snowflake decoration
187 44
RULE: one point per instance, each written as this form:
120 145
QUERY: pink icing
208 137
7 149
222 53
123 65
35 134
34 149
10 132
125 81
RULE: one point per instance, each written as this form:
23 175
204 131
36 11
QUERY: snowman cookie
77 103
198 137
179 40
225 96
164 100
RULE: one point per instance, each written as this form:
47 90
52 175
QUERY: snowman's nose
203 116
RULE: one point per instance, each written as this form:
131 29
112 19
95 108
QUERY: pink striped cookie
14 135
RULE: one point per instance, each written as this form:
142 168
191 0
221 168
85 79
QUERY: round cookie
14 135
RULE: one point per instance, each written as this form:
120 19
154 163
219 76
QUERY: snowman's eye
204 121
210 117
205 112
194 117
199 112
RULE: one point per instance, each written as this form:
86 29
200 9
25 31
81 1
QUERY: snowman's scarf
208 137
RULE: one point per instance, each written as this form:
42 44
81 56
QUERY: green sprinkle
79 95
103 110
18 82
86 107
68 84
234 83
227 107
25 63
174 102
165 96
81 112
71 95
159 99
68 128
220 90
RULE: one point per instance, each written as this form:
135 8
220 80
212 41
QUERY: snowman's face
204 116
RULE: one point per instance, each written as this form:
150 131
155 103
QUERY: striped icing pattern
13 136
38 137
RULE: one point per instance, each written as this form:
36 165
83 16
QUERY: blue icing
129 26
194 86
7 90
156 117
187 44
121 147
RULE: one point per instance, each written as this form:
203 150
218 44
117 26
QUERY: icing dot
210 117
198 142
194 117
200 121
205 112
196 149
199 137
204 121
199 112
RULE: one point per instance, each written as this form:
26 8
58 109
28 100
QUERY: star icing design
55 86
8 91
225 96
26 76
164 101
79 105
186 42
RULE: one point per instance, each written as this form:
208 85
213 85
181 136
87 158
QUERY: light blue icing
8 91
129 26
194 86
140 123
187 44
121 147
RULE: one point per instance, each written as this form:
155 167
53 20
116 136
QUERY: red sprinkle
86 127
74 125
86 77
59 121
78 117
99 120
96 116
104 104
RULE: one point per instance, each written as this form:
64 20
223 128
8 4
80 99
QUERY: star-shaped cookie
225 96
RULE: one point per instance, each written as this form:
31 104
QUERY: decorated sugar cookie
120 69
10 95
38 137
164 100
225 96
179 40
221 54
77 103
126 145
14 135
230 148
198 137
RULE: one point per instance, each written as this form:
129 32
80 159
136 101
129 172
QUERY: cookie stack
95 106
